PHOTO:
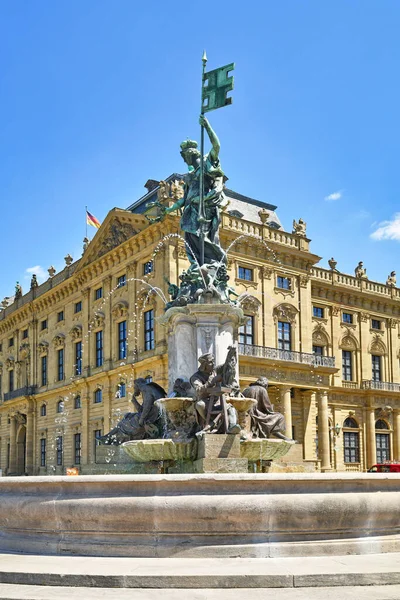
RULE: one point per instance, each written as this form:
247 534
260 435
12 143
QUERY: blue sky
96 96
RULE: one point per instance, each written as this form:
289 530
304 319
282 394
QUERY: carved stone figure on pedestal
391 280
360 271
299 228
265 422
142 424
34 282
18 291
210 384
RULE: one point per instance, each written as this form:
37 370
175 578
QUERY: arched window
351 441
381 424
351 423
43 410
60 406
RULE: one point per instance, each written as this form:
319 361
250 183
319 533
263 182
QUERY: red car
385 468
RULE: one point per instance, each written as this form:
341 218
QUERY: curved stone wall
201 515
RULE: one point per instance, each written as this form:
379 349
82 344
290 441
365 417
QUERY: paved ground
195 574
27 592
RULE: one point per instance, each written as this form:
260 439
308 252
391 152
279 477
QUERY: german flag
91 220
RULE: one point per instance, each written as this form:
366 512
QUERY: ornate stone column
13 446
323 431
309 413
29 458
286 403
85 400
195 330
396 434
371 439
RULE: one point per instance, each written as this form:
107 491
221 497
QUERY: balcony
287 355
385 386
28 390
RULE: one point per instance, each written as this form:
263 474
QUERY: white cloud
334 196
388 230
39 271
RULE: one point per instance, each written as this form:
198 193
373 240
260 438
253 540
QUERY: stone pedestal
220 453
196 329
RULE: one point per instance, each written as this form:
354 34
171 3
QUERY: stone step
180 573
34 592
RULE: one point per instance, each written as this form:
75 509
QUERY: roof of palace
239 205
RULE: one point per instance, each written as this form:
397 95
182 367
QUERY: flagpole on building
202 215
86 220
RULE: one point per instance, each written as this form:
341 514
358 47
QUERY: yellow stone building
70 348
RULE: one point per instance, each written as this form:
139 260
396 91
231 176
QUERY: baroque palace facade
70 348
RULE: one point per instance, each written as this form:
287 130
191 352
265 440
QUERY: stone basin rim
245 477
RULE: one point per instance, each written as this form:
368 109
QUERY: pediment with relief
117 228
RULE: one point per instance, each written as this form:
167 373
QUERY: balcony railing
313 360
27 390
386 386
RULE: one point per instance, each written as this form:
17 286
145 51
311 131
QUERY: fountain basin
143 451
264 449
242 405
175 404
232 515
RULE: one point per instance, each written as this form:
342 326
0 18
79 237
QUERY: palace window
318 350
148 267
43 325
98 396
318 312
351 442
246 331
11 380
121 281
96 438
121 390
43 452
122 340
77 402
43 410
245 273
284 336
60 316
382 442
60 406
24 334
77 448
59 447
78 359
11 342
78 307
43 365
98 293
99 348
347 365
285 283
376 368
60 364
375 324
149 341
347 318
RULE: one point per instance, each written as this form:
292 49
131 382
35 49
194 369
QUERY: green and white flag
216 85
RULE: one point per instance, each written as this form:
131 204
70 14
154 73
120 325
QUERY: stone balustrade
27 390
287 355
386 386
